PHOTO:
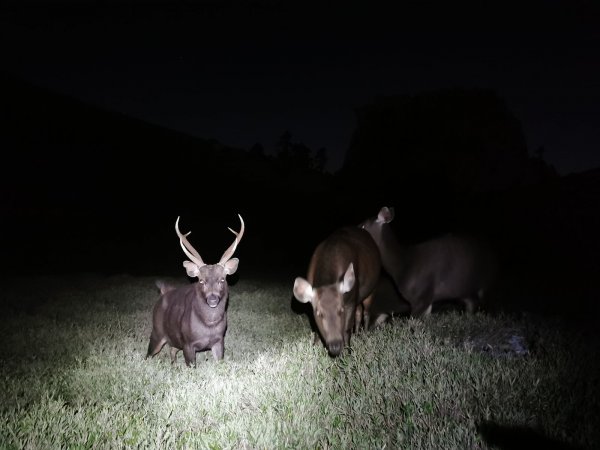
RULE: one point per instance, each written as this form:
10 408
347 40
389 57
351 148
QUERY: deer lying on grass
342 276
449 267
193 318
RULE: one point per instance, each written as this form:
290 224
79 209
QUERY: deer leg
174 354
427 311
422 302
367 302
316 338
358 317
218 350
155 345
347 336
189 353
421 308
381 319
469 303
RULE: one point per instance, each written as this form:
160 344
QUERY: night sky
245 72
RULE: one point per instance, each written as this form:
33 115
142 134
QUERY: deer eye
201 282
319 313
222 280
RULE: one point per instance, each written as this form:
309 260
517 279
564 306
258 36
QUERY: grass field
73 375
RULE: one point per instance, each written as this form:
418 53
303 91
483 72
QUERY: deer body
450 267
193 318
342 276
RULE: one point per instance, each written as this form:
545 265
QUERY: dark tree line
291 155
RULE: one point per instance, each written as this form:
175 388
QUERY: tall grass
74 375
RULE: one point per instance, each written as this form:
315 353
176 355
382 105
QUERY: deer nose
212 300
335 348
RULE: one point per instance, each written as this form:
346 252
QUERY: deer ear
386 215
303 291
231 266
348 282
192 269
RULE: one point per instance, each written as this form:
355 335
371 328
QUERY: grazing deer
342 276
193 318
450 267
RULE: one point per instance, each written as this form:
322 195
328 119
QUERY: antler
187 247
238 237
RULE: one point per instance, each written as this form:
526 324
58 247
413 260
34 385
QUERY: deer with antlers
193 318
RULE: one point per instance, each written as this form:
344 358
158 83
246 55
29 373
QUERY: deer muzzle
335 347
213 300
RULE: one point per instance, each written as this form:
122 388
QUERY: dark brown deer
342 276
193 318
450 267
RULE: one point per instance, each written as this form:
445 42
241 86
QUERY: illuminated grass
73 375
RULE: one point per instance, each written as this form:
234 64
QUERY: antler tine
238 237
187 247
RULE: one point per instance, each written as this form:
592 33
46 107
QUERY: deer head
226 264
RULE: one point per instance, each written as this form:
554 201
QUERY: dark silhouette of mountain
465 140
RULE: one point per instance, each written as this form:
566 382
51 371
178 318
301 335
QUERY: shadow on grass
517 438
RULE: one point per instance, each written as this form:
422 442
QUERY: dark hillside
88 189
